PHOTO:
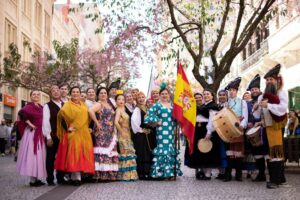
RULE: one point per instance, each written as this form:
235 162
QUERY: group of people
107 135
267 110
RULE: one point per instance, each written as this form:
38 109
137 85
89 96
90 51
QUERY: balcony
256 56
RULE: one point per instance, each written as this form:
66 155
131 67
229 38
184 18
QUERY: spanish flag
184 109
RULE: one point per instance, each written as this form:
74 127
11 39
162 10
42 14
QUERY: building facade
37 23
274 42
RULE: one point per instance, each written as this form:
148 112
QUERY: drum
253 134
226 124
205 145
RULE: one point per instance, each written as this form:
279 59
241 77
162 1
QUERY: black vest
54 109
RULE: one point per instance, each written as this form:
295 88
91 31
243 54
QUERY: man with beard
259 152
273 104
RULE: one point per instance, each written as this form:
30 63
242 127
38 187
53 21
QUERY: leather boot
238 169
274 178
261 166
283 179
228 170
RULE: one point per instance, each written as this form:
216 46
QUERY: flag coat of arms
184 109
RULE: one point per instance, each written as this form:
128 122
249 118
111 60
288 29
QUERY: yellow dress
75 150
127 156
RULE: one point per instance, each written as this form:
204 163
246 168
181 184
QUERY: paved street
16 188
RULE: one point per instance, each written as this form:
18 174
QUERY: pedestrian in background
3 137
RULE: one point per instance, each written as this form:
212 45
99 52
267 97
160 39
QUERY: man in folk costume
273 105
235 149
112 90
259 152
50 111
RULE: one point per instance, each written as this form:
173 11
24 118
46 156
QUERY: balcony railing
256 56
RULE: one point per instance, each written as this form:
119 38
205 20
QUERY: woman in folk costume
105 147
75 150
248 161
235 149
273 105
205 130
198 171
165 155
127 157
32 153
143 138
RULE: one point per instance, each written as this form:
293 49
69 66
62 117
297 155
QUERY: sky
145 70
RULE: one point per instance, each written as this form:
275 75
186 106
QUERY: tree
117 59
44 70
201 26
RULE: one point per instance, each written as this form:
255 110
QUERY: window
37 49
47 25
26 54
38 15
10 34
26 7
258 39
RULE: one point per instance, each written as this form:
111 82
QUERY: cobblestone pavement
16 187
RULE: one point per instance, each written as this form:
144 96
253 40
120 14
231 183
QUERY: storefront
9 104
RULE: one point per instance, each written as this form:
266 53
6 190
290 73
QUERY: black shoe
227 179
259 178
40 182
205 178
51 183
238 179
34 184
200 175
37 183
220 176
63 182
272 185
76 183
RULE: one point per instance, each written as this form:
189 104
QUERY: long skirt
28 163
75 153
212 159
127 161
144 145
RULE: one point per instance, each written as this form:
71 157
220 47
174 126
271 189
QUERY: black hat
115 84
273 72
255 82
235 84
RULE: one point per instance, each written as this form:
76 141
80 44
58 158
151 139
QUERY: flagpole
176 128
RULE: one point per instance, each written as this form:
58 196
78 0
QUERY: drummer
235 149
205 129
260 153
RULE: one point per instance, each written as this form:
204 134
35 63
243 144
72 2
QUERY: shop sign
10 100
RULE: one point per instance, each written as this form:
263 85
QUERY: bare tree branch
238 23
178 36
178 29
